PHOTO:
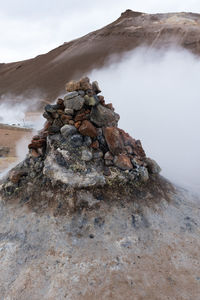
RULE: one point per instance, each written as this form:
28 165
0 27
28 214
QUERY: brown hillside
49 72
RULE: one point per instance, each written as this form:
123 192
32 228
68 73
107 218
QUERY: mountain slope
48 73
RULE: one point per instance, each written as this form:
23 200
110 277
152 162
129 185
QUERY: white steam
157 96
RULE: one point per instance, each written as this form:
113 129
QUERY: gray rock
87 141
98 154
50 108
152 166
143 174
75 103
69 111
85 198
76 140
103 117
68 130
81 93
71 95
86 155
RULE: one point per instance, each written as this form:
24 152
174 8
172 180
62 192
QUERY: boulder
114 140
123 162
75 103
68 130
87 128
103 117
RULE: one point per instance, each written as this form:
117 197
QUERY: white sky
29 28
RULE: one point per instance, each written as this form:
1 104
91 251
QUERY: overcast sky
31 27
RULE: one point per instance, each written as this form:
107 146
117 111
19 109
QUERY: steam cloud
156 93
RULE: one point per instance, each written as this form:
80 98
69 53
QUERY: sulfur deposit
80 147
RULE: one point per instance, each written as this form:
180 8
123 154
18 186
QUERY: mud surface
144 248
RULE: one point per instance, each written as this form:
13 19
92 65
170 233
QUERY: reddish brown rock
77 124
101 100
135 144
66 118
95 145
81 117
87 128
60 103
15 176
123 162
37 143
34 153
114 140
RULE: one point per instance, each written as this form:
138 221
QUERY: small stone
91 100
69 111
85 84
68 130
129 149
95 145
87 128
114 140
77 124
152 166
55 115
34 153
70 95
76 140
47 116
123 162
108 162
60 104
87 141
108 156
106 171
50 108
75 103
143 174
81 93
15 176
98 154
95 87
71 122
72 86
86 155
80 117
103 117
66 118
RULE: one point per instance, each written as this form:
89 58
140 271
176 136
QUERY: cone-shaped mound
80 147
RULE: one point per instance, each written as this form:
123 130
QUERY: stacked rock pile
83 118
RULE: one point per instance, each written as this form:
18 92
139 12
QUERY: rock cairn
81 151
84 118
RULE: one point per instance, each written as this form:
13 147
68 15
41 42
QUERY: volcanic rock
103 117
75 103
123 162
114 140
88 129
67 130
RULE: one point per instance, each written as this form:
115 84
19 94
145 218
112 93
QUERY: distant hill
46 74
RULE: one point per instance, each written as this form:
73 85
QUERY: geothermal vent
80 153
